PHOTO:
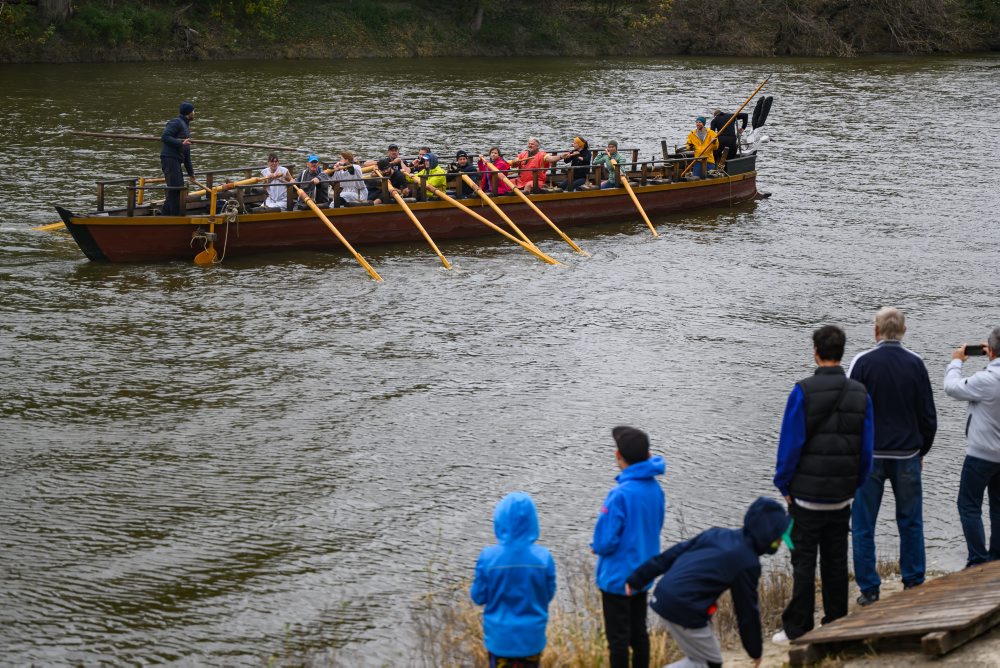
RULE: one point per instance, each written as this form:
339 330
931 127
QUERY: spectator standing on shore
905 423
627 534
824 456
981 469
515 581
175 150
698 571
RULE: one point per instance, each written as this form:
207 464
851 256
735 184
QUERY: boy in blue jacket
627 533
698 571
515 580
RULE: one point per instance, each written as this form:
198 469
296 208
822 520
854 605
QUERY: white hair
891 323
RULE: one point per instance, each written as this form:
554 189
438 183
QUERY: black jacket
835 408
172 142
721 119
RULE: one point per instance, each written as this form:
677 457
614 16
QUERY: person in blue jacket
698 571
175 151
515 580
627 533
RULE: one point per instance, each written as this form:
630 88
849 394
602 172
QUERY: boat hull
110 238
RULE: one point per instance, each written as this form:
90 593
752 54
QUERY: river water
214 465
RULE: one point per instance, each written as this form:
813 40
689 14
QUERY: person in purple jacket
627 533
515 580
698 571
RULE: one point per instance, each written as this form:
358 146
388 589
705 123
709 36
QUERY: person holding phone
981 469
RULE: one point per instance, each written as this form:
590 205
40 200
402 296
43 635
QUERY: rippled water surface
277 456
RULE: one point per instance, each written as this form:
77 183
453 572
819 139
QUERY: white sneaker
780 638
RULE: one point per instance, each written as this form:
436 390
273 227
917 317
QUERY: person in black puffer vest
175 152
824 456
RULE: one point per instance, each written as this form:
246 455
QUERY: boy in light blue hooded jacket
515 580
627 533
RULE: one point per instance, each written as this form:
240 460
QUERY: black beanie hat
186 108
461 154
383 164
632 443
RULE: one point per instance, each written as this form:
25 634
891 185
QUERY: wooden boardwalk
937 616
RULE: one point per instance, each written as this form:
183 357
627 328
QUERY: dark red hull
157 238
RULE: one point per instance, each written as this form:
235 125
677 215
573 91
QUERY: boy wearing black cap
626 535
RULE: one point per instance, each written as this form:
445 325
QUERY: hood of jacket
764 523
653 466
430 160
515 520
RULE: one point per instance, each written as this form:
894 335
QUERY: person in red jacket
531 162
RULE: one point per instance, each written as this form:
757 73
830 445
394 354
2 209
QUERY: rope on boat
232 215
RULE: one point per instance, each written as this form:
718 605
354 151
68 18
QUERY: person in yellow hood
703 142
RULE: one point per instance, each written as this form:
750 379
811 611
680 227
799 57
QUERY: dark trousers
175 179
728 141
522 662
978 477
625 626
823 532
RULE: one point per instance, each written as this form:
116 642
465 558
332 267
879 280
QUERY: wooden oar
455 203
524 198
493 205
731 119
406 207
631 193
112 135
322 216
209 255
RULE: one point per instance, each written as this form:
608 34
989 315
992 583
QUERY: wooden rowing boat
133 234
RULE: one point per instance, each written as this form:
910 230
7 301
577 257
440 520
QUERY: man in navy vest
905 424
824 456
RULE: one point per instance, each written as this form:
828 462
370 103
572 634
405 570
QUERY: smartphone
974 349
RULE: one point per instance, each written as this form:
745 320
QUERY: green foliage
99 25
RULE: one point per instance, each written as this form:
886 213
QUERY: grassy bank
449 626
106 30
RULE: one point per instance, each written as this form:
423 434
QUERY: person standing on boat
579 163
730 137
981 469
349 176
613 180
175 150
531 162
703 142
315 183
486 178
824 457
274 175
905 424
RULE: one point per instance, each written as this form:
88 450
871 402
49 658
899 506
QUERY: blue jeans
696 168
978 476
904 476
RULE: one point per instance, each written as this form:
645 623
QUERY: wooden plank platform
937 616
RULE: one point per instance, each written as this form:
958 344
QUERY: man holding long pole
175 149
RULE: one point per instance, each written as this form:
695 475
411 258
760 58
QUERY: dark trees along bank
110 30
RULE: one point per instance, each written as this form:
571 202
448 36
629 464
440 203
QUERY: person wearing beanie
578 163
462 165
515 581
611 153
730 137
697 572
703 142
386 172
175 150
627 534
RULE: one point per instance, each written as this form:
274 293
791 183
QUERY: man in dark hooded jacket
698 571
175 150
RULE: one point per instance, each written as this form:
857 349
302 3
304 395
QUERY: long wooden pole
534 208
114 135
631 193
409 212
731 119
493 205
336 232
489 223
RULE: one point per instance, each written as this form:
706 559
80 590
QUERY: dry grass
450 632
